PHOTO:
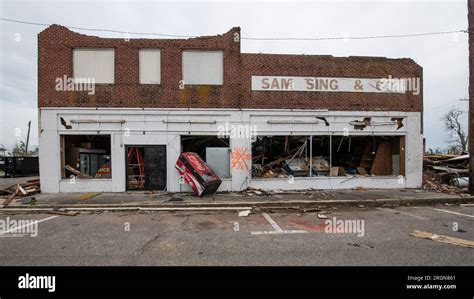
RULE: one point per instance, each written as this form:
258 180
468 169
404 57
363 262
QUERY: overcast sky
444 58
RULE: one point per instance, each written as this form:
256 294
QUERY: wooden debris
259 192
19 190
63 213
441 173
337 171
10 198
88 195
442 238
77 172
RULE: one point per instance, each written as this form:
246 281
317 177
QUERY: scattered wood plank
442 238
77 172
63 213
88 195
19 187
9 199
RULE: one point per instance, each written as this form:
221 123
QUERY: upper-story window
94 63
150 66
203 67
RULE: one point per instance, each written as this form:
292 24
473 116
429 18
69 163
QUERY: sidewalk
242 200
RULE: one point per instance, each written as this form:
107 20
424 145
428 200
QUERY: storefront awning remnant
64 124
360 125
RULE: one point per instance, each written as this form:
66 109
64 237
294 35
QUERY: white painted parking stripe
403 213
21 227
455 213
272 222
277 228
274 232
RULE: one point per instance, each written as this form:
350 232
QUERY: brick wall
55 45
329 66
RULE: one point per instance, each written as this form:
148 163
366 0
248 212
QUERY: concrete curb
243 205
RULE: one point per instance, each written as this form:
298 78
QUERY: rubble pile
446 173
20 190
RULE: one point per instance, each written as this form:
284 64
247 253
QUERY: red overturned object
195 172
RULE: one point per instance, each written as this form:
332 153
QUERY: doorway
146 167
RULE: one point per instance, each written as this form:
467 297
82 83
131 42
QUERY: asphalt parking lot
224 238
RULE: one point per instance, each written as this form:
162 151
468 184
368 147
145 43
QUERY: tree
458 138
436 151
20 150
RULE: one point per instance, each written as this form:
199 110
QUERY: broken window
86 156
325 155
281 156
213 150
367 155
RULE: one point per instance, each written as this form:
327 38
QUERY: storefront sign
328 84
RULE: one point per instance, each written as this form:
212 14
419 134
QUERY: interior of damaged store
327 155
86 156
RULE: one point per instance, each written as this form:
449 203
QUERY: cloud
443 58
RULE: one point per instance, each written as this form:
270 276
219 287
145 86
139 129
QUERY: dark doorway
146 167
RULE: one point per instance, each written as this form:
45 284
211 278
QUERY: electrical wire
247 38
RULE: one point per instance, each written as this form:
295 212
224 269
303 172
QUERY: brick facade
55 45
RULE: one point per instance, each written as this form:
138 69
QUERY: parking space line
403 213
272 222
277 228
452 212
274 232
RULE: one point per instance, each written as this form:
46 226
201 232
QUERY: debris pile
446 173
259 192
20 190
310 156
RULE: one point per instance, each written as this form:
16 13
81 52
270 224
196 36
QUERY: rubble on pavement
446 173
20 190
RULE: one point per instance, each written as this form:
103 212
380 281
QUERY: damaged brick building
116 113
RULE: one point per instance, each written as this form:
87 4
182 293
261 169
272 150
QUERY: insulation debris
244 213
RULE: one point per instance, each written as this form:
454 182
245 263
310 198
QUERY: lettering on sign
328 84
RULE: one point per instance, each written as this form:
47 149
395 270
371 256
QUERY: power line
247 38
355 37
97 29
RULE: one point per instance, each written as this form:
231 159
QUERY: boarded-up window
203 67
150 71
94 63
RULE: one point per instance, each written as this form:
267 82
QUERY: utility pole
470 19
27 138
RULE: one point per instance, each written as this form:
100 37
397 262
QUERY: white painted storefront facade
136 126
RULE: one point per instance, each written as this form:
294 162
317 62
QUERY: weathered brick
55 45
